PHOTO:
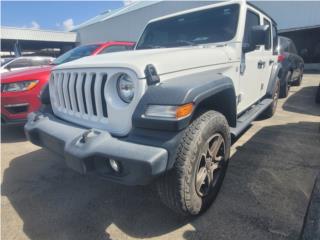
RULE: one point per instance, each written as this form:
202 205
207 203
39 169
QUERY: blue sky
53 15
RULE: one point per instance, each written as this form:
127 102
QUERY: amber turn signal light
184 110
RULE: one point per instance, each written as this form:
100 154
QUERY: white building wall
292 14
129 26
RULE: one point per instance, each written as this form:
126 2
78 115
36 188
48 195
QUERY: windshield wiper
190 43
153 46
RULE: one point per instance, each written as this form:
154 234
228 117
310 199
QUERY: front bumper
15 106
90 152
12 122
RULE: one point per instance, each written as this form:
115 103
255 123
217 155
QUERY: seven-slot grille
81 94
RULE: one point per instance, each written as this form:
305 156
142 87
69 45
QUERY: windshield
207 26
5 60
76 53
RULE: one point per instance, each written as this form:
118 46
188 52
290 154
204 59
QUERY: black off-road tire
318 95
284 89
177 188
298 81
269 112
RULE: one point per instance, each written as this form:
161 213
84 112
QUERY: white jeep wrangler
168 109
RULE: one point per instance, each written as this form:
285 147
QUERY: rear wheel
284 89
299 80
269 112
201 162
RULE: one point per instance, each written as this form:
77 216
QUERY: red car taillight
281 58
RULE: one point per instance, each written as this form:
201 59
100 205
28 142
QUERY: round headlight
125 87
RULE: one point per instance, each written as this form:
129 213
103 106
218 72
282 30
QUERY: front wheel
201 162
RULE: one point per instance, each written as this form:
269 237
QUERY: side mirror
8 68
257 37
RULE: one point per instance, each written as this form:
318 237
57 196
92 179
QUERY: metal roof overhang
34 39
8 33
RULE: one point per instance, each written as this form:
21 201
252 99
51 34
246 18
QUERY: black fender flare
181 90
274 77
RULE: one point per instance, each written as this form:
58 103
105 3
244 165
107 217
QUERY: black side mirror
258 36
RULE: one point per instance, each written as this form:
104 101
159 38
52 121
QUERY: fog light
114 165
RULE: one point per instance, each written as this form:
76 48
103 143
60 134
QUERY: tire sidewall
207 131
275 101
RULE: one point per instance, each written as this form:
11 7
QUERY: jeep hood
166 60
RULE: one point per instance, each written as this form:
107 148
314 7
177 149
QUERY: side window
274 38
293 48
20 63
115 48
268 42
252 19
40 62
284 45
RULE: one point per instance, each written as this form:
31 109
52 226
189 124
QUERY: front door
250 70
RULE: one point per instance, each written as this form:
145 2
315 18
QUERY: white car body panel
165 60
225 58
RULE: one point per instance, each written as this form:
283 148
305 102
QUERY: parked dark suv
292 65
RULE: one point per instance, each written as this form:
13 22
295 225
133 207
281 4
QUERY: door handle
271 62
261 64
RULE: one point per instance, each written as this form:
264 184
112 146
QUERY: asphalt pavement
264 196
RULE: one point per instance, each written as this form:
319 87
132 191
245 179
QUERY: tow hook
38 117
88 134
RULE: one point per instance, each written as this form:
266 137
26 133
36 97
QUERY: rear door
268 58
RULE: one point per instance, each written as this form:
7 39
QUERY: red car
20 89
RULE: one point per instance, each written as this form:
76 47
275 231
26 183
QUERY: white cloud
68 24
35 25
128 2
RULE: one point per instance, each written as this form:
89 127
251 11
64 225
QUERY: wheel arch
224 102
274 77
206 90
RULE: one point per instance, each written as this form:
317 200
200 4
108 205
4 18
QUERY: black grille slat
62 92
75 92
68 90
93 100
103 97
83 94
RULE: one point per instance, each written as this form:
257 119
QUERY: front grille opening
62 92
103 97
68 90
93 99
83 93
75 91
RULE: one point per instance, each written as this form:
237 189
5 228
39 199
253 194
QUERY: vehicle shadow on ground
12 134
267 186
264 196
302 101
